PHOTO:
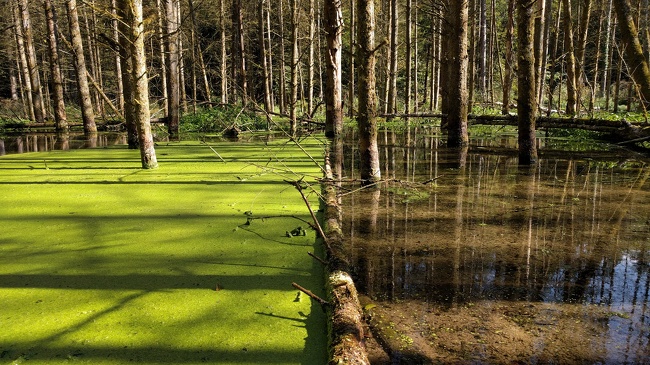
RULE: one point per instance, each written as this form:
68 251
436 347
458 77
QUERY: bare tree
333 99
137 80
172 23
30 53
60 117
87 113
527 90
366 116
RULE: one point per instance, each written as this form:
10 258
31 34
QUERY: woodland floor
102 262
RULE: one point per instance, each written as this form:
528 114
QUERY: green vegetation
102 262
219 118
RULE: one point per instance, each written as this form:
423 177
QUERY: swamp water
466 258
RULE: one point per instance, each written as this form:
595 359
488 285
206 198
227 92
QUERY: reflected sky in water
454 227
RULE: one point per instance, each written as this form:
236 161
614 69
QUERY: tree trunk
26 85
482 50
118 61
283 64
173 70
366 116
455 108
509 61
636 61
351 78
527 93
392 84
223 67
333 24
571 84
239 51
264 58
87 112
293 96
124 21
140 83
310 59
581 47
30 52
60 117
409 57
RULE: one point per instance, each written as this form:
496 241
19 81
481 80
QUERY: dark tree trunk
60 117
527 95
333 88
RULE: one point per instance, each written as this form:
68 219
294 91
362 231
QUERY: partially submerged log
347 329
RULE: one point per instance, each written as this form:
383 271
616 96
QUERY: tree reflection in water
569 236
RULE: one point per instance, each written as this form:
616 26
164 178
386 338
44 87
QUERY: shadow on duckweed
468 258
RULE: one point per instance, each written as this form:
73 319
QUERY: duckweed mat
102 262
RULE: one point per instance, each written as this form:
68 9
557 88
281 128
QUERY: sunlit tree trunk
118 62
137 80
581 47
333 24
482 50
239 51
161 33
264 58
26 85
30 53
87 113
310 58
283 64
351 79
409 57
366 116
392 76
60 116
527 94
636 61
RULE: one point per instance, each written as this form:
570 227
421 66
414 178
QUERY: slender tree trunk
310 59
162 47
173 70
482 46
26 84
223 66
392 84
409 58
581 47
264 58
87 112
124 16
270 54
509 61
571 84
366 116
636 61
239 51
607 52
293 97
539 42
30 52
351 78
333 24
60 117
138 81
118 63
527 90
194 64
455 71
283 64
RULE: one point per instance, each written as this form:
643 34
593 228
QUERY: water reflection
470 226
42 142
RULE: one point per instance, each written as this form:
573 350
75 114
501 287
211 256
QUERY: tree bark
223 67
264 58
239 51
87 113
509 59
571 84
333 24
173 71
118 61
455 71
26 85
351 78
30 52
527 93
60 117
636 61
366 117
137 80
293 83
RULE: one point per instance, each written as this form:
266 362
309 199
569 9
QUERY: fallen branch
317 258
324 303
298 187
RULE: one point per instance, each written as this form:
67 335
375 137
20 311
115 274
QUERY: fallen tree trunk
347 327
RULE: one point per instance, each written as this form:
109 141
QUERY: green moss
102 262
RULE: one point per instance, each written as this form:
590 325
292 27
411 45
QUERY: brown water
491 263
42 142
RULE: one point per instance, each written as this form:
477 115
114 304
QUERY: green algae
102 262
